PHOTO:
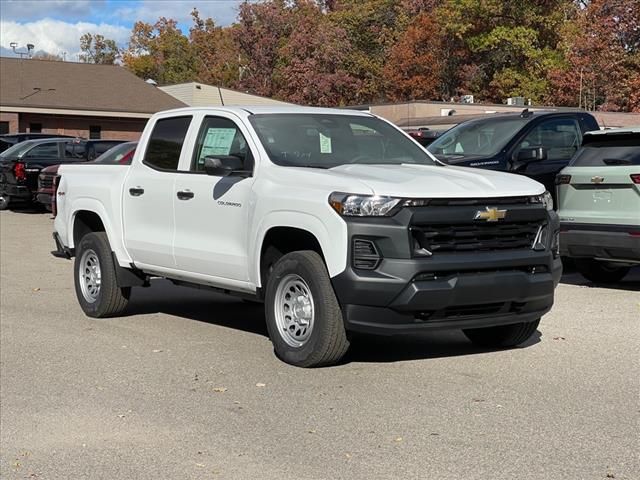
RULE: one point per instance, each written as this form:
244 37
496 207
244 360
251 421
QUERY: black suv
8 140
535 144
21 164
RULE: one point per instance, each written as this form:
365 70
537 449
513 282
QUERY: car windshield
609 152
483 138
117 154
17 150
331 140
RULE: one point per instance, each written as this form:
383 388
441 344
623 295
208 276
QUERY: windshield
17 150
330 140
117 154
483 138
618 151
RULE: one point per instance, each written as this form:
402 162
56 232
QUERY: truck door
560 139
148 195
213 212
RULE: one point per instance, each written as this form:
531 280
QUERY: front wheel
4 202
599 272
304 318
502 336
95 278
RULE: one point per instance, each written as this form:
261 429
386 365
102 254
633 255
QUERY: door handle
185 195
136 191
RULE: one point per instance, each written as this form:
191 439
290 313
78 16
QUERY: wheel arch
308 233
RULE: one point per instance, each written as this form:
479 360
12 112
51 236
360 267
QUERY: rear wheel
502 336
600 272
4 202
95 278
304 318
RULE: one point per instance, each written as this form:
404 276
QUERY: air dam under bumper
446 290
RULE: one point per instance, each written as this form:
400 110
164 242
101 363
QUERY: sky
55 26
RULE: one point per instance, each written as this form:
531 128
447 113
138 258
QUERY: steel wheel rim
294 310
90 276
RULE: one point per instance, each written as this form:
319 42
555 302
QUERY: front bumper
604 242
447 290
45 198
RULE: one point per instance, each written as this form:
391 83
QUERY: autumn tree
96 48
311 67
160 52
217 54
373 27
261 31
601 57
413 70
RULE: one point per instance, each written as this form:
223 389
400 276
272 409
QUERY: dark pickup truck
21 164
535 144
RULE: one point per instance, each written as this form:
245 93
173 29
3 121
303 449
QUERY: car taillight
635 177
563 179
19 172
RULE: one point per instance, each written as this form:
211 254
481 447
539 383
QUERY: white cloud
224 12
55 36
23 10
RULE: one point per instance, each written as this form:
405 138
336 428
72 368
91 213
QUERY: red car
48 179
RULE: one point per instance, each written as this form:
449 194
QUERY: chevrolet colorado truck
337 220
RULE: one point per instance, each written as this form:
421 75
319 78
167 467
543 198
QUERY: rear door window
43 150
165 143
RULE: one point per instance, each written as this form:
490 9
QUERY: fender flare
334 245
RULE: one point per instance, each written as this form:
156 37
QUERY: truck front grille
471 237
45 181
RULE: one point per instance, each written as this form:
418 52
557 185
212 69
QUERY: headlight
546 199
363 205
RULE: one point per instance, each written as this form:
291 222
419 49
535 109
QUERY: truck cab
535 144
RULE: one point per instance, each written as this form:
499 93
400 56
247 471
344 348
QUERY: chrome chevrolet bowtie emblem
597 179
491 214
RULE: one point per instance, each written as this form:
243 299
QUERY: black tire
327 342
599 272
502 336
110 300
5 200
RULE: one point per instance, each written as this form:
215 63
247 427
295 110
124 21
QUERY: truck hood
427 181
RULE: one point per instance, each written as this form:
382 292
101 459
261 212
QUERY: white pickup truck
337 220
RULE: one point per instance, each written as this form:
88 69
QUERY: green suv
599 205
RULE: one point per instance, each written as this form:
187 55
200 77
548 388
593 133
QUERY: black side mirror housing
528 155
222 165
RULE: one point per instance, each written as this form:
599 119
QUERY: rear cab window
165 143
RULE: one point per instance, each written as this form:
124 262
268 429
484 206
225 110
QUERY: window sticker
325 143
217 142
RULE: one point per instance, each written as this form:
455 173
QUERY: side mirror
222 165
528 155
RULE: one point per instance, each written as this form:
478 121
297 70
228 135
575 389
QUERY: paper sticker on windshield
218 141
325 143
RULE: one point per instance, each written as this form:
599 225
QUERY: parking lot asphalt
186 386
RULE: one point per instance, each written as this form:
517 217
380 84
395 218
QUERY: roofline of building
82 113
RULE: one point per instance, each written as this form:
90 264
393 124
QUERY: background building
82 99
201 95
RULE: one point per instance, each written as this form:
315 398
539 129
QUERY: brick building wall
8 122
107 128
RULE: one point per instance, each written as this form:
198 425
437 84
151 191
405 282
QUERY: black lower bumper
20 192
607 242
44 198
386 303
